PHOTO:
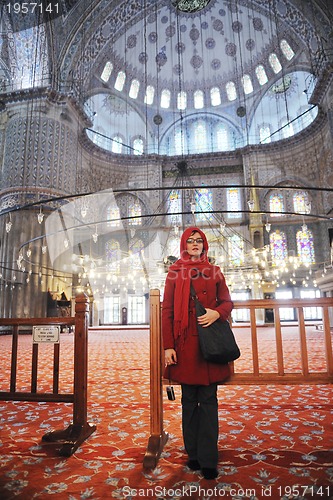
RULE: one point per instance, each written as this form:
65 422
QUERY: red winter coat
191 368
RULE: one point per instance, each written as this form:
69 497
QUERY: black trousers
200 423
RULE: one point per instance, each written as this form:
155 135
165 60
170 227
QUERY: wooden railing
67 440
158 437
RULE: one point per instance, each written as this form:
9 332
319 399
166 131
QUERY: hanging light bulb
251 205
40 216
176 230
66 243
29 252
268 226
304 227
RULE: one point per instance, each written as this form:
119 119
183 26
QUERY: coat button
204 292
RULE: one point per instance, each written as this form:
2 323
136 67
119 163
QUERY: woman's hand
208 318
170 357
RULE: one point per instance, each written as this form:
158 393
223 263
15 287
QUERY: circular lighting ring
190 6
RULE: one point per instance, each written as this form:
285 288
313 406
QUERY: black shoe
209 473
193 465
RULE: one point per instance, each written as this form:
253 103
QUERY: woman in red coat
183 359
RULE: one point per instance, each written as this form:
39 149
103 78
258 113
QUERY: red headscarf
183 270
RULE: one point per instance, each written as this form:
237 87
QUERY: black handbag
217 341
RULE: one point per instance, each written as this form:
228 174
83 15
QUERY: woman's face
194 245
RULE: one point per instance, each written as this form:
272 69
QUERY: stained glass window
287 129
113 256
198 99
278 244
138 146
231 91
135 254
247 84
276 204
180 142
113 215
236 250
222 138
233 203
165 98
215 96
287 50
106 73
175 206
134 89
181 100
150 92
120 81
264 134
203 202
134 210
301 202
275 63
305 248
200 135
117 144
261 75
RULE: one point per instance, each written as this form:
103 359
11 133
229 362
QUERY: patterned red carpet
275 441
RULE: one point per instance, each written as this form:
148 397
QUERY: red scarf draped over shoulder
183 270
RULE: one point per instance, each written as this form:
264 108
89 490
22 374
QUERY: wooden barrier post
158 437
71 438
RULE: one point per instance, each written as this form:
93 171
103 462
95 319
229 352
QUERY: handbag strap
193 292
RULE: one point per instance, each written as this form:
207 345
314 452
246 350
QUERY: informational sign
49 333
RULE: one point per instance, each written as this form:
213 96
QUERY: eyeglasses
192 240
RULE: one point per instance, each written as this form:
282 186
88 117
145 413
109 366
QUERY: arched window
113 256
138 146
120 81
247 84
134 89
180 142
279 251
175 206
275 63
165 98
222 138
231 91
215 96
150 93
182 100
261 75
234 203
113 215
136 249
287 128
276 204
198 99
200 134
265 134
106 73
117 144
305 248
287 50
134 212
236 250
301 202
203 203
